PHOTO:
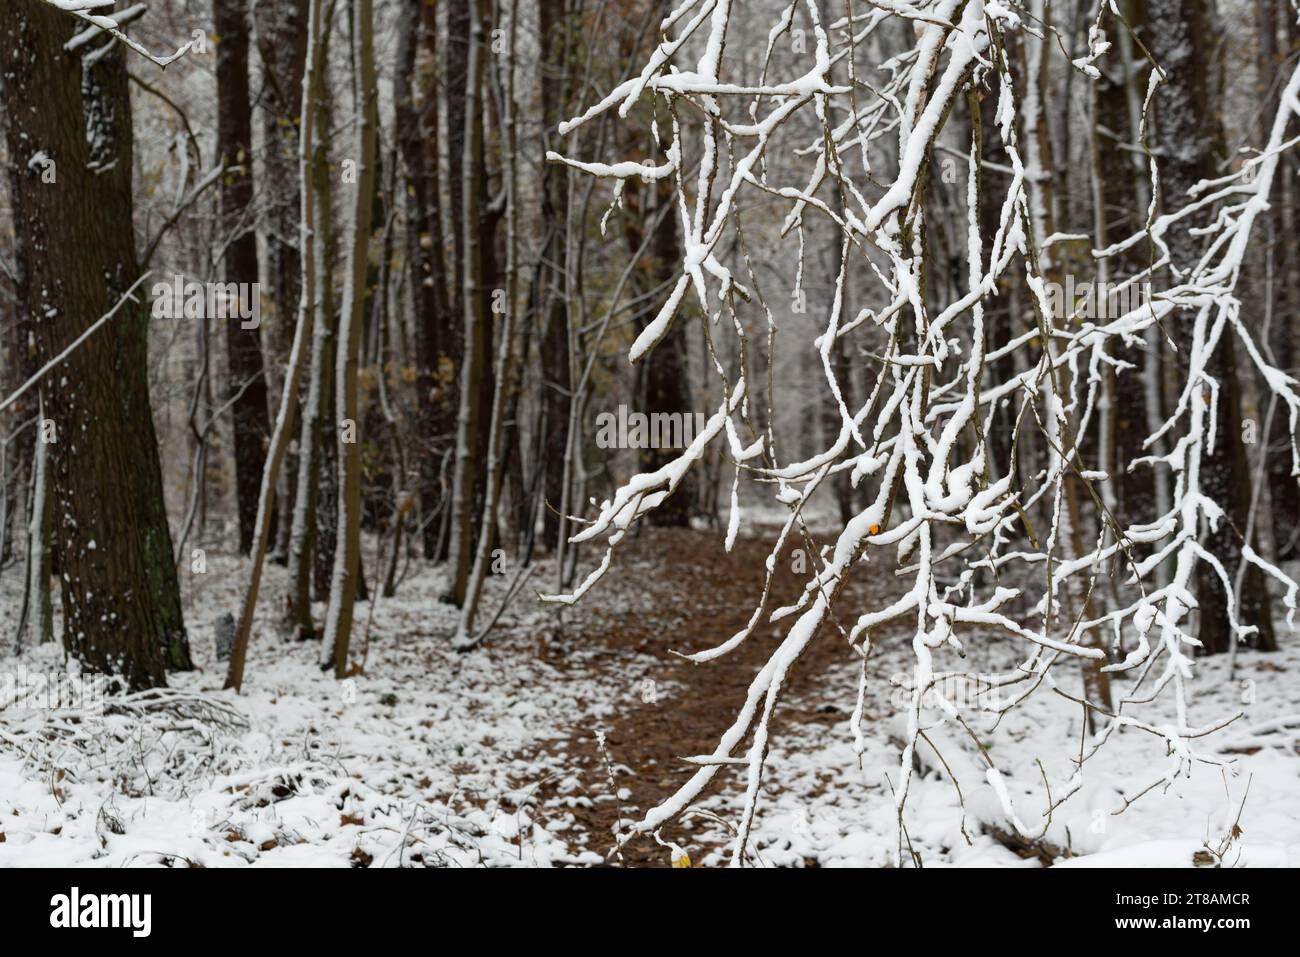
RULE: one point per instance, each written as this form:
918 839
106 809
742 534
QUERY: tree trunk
502 379
246 377
454 78
475 318
1120 212
416 113
554 84
305 540
39 554
1279 236
1183 40
665 371
347 556
121 600
282 44
293 372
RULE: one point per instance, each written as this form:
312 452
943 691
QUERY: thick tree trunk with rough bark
121 600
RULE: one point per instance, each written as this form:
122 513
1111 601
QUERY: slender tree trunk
39 604
416 112
999 317
249 416
554 82
1038 157
282 45
327 493
475 319
347 555
305 540
459 16
325 507
465 636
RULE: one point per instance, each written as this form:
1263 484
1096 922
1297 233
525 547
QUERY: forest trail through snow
707 596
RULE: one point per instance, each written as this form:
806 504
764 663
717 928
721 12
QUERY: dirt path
705 596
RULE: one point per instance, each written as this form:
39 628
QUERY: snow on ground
823 806
433 758
417 761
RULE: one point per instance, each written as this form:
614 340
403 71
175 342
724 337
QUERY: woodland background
470 303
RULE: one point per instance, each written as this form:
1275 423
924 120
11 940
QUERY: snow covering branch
920 442
112 25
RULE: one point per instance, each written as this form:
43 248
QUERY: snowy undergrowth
418 761
823 806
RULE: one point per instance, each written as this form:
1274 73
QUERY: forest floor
495 757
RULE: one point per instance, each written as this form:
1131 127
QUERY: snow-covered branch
938 489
